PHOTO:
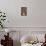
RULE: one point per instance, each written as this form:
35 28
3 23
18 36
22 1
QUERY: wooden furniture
8 41
44 44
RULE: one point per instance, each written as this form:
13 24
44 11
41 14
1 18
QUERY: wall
36 13
13 12
39 13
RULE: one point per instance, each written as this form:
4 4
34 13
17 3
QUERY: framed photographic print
23 11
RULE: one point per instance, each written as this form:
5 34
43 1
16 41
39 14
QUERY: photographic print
23 11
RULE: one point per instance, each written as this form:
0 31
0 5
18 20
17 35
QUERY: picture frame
23 11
